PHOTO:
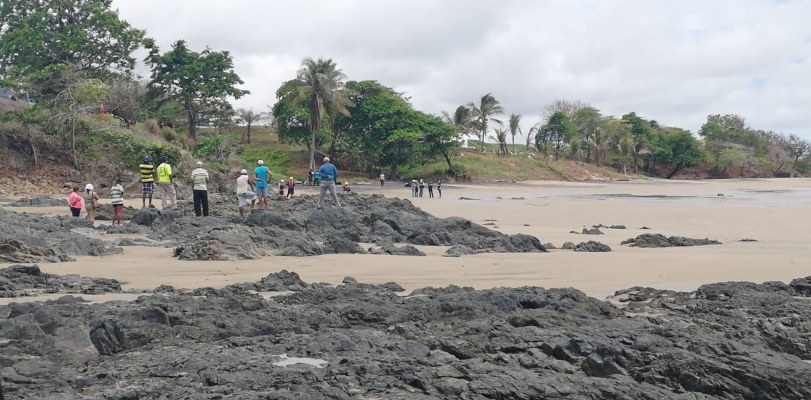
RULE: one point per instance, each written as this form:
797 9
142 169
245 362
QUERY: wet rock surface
724 341
39 201
29 280
591 247
659 240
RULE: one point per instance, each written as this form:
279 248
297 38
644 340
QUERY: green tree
488 107
515 127
557 132
320 84
248 117
588 122
463 120
86 34
684 151
501 139
30 121
200 82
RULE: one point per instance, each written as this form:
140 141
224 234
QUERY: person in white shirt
382 179
200 179
245 192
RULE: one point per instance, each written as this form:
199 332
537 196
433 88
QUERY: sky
672 61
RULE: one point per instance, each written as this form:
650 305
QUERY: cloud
675 62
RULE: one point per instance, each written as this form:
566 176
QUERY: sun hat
291 178
244 172
89 187
326 159
260 162
199 163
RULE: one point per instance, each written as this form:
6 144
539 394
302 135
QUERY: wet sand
774 212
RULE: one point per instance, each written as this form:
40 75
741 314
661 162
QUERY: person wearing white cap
200 190
329 175
245 192
262 175
91 201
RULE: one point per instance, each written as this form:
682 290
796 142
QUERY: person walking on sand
430 189
245 192
382 179
422 187
414 188
166 185
439 188
147 180
91 202
200 190
117 197
310 177
329 175
75 202
317 178
262 175
291 187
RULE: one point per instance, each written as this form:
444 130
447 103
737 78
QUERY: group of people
89 200
418 188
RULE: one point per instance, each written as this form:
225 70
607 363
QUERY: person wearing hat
147 180
422 187
91 202
346 187
263 176
245 192
166 184
199 178
281 187
291 187
329 175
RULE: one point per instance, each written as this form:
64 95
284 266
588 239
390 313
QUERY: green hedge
131 149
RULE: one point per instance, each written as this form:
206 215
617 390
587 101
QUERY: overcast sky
672 61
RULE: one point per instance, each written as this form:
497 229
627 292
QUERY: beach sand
774 212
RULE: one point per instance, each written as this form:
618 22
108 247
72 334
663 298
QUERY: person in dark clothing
200 190
422 187
439 188
430 189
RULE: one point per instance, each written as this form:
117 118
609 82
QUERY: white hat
244 172
89 187
260 162
326 159
199 163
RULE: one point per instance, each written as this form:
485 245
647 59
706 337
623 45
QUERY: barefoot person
291 187
91 202
117 197
166 184
200 190
75 202
148 180
262 175
329 175
245 192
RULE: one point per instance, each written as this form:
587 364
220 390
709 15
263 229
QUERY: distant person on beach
117 199
414 188
75 202
422 187
147 180
382 179
317 178
329 175
199 178
166 184
281 187
91 202
291 187
262 175
310 177
439 188
245 192
430 189
346 187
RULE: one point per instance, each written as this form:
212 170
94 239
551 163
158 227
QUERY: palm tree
501 138
248 116
320 84
530 135
463 120
515 120
487 108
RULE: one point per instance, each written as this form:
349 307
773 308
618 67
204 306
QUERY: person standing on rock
262 175
291 187
147 180
422 187
439 188
317 178
200 190
75 202
166 185
329 175
244 195
91 202
117 197
430 189
382 179
281 187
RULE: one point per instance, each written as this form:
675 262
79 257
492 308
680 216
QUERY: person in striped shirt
148 180
117 196
200 190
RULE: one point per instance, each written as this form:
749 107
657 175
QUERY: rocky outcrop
591 247
39 201
390 249
658 240
29 280
730 340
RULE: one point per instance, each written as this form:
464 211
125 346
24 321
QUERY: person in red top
75 202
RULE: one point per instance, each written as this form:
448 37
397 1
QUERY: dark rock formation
29 280
390 249
591 231
39 201
658 240
591 247
725 341
567 246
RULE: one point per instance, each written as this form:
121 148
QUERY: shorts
148 188
244 198
262 192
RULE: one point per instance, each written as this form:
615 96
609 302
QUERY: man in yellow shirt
166 184
148 180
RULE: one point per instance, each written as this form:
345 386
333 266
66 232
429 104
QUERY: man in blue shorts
262 175
147 171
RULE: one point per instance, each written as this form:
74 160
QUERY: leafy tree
124 99
30 120
86 34
200 82
515 126
557 132
248 117
643 137
488 107
685 151
292 119
320 84
568 107
588 122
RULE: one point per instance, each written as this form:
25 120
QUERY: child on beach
346 187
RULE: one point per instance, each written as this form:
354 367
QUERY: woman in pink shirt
75 202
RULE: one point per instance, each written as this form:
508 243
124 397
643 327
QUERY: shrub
153 127
131 149
169 134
